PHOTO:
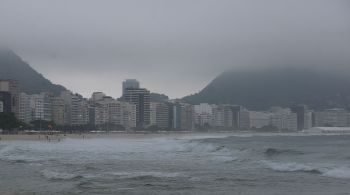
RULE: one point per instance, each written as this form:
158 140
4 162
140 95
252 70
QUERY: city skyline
175 97
136 111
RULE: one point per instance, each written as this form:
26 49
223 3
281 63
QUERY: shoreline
111 135
141 135
124 135
60 136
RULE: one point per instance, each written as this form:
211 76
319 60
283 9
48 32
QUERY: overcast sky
174 47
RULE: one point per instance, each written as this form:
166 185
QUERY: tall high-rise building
1 106
283 119
176 116
235 116
153 113
76 109
25 110
162 115
187 117
130 84
204 114
109 111
219 116
58 110
244 119
259 120
12 87
331 118
141 98
5 98
129 115
41 106
223 116
300 110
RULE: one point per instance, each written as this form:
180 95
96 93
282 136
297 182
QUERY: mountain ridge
13 67
261 89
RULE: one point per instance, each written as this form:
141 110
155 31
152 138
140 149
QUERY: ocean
193 164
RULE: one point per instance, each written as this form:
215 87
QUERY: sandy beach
138 135
141 135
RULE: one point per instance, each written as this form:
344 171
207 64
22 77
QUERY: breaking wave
341 173
334 172
218 153
53 175
291 167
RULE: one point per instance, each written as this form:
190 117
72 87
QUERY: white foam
289 167
225 158
93 150
129 175
328 171
57 175
342 173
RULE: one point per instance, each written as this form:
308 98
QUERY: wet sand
141 135
60 137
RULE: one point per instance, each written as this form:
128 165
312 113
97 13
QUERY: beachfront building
76 109
130 84
160 115
258 119
284 119
176 116
187 117
108 111
308 118
219 116
204 115
332 118
304 117
58 110
254 119
25 110
279 118
1 106
223 116
244 120
5 98
153 113
141 98
11 87
41 107
129 115
180 115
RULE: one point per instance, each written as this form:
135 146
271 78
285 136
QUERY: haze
173 47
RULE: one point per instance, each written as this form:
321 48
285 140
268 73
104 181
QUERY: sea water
250 164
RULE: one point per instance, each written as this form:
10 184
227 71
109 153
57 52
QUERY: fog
172 47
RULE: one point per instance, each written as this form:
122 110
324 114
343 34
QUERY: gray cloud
175 47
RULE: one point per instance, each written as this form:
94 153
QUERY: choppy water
188 165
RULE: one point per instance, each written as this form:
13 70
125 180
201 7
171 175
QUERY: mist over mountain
31 82
261 89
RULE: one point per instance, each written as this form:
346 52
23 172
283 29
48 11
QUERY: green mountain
31 82
261 89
